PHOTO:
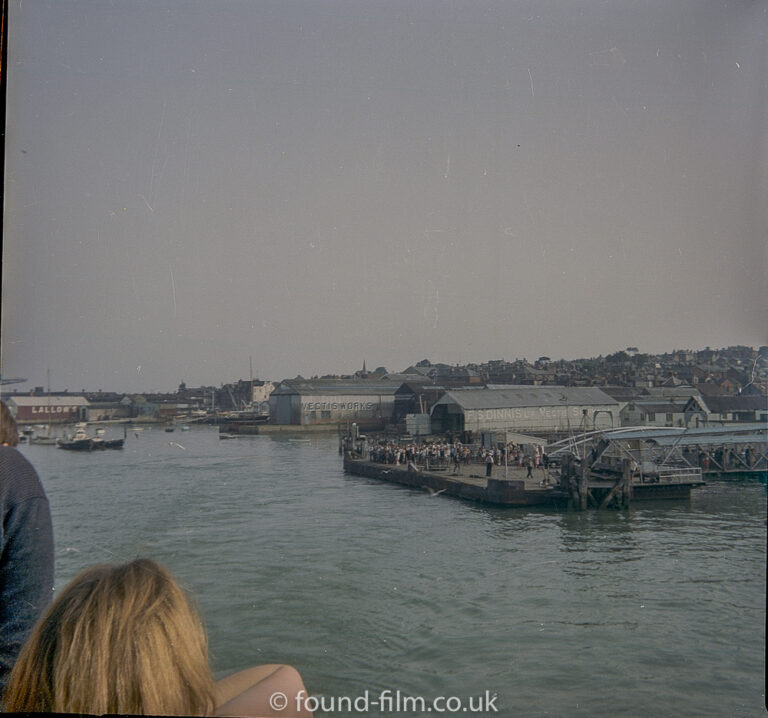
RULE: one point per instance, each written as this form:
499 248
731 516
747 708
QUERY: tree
617 358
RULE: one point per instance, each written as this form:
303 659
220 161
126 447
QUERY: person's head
119 639
9 432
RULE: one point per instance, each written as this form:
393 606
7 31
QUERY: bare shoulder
252 692
288 676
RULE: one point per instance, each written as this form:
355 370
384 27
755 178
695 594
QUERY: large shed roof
513 396
738 402
658 407
53 401
336 388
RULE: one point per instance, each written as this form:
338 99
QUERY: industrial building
331 401
415 397
524 408
701 410
47 409
653 412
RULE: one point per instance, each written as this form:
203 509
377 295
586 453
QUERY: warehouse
524 408
47 409
331 401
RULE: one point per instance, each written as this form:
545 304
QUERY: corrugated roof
47 401
696 434
657 407
740 402
624 393
712 440
325 388
512 396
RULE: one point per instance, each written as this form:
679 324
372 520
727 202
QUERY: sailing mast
250 365
48 380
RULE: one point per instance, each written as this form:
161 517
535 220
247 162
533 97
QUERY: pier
468 483
598 469
566 487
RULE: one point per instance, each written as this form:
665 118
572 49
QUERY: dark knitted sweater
26 555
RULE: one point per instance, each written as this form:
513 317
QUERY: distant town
680 388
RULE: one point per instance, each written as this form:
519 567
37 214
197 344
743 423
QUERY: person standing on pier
488 463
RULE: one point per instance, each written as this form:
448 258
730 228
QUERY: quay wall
415 479
497 491
288 429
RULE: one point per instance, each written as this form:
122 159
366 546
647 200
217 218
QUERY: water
656 611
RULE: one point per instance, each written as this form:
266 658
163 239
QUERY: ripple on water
658 610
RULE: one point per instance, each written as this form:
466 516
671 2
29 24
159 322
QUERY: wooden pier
469 484
610 487
568 489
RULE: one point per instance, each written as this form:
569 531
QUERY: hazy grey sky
317 183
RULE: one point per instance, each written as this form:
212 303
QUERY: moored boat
81 441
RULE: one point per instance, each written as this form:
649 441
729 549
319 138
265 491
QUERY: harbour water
658 610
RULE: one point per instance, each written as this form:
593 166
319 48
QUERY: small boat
44 440
82 442
77 443
31 435
170 428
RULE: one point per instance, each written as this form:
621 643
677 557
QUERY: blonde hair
9 432
119 639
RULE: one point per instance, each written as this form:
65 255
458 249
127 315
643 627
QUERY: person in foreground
26 547
125 639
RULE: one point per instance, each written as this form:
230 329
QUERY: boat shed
525 408
332 401
47 409
415 397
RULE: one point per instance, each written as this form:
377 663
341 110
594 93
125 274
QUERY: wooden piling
626 474
583 485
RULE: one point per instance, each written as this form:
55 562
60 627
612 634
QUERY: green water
362 585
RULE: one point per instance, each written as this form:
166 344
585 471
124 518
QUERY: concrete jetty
563 487
468 483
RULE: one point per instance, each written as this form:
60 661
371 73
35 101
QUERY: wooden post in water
626 472
583 485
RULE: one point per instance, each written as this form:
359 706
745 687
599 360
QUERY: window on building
650 416
669 417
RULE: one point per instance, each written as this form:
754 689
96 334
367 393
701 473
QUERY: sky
193 187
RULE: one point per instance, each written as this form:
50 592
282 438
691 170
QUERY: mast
250 366
48 380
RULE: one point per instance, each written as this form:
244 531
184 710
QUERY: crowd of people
118 638
726 458
432 454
